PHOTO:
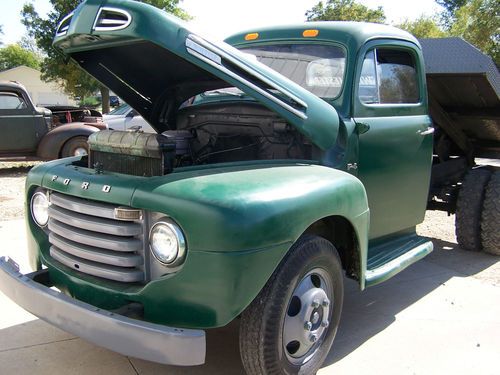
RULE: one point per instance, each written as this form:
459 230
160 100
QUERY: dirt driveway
441 315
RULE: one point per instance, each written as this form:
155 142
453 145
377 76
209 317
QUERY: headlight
167 242
40 208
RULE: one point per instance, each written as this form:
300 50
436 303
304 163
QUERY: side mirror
132 114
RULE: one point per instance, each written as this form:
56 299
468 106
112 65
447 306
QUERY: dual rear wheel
477 219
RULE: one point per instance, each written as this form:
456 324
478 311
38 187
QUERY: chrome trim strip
114 28
249 84
63 32
391 268
241 65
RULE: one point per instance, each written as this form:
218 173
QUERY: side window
388 77
368 86
10 100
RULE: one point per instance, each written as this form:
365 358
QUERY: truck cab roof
351 34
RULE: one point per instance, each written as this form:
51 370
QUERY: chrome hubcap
80 151
308 316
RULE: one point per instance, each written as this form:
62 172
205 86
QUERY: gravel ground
12 177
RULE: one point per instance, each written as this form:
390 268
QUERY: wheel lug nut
308 326
324 323
313 338
315 303
326 303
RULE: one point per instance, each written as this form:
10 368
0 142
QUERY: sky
221 18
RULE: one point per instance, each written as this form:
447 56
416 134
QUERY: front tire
290 326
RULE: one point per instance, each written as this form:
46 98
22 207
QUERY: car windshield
318 68
120 110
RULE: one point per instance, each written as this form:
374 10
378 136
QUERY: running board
386 271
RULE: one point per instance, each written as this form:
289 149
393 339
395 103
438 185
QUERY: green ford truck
300 156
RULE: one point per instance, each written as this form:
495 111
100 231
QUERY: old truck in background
300 156
30 132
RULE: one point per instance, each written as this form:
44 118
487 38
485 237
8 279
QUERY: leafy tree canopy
14 55
344 10
478 22
54 66
423 27
450 7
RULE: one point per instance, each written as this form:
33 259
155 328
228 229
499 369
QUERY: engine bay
211 133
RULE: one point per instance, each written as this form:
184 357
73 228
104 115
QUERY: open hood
151 60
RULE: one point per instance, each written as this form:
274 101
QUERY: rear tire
469 208
290 326
490 220
76 146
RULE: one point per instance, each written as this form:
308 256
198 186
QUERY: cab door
17 123
395 147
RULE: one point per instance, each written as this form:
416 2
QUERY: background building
42 93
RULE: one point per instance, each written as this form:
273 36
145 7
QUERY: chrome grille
85 236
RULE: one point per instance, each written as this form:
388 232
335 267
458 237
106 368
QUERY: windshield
120 110
318 68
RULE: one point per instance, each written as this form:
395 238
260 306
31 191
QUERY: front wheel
290 326
76 146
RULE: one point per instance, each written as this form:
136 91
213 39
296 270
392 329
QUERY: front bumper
131 337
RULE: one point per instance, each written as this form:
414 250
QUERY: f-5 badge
106 188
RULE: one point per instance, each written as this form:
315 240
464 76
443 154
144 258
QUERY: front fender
239 220
51 144
239 224
239 208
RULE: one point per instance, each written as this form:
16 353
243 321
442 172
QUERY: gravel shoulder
12 179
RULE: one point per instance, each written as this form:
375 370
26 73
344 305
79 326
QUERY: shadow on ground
364 315
15 171
369 312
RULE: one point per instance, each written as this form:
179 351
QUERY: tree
450 7
14 55
54 66
423 27
344 10
478 22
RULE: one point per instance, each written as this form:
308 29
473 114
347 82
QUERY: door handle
428 131
361 127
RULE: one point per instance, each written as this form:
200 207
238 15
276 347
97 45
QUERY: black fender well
52 143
